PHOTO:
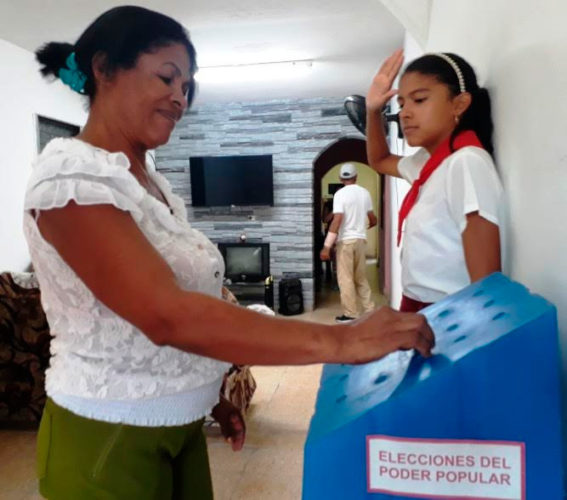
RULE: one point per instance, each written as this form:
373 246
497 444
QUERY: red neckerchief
465 138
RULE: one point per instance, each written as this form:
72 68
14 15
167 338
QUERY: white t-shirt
102 366
353 201
433 260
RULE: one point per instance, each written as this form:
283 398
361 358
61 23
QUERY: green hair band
72 75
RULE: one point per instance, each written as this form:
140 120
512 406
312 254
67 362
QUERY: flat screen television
246 262
334 187
218 181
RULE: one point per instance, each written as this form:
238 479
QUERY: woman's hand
380 91
381 332
231 422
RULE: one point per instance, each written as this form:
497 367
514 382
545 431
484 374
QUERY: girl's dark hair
478 116
121 34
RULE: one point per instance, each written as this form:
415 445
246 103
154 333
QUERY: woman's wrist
335 348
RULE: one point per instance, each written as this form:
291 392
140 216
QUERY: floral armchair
24 355
24 351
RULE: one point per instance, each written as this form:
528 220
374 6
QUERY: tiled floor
270 465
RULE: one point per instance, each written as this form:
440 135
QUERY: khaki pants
351 275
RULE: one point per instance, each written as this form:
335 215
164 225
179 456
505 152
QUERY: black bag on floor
291 297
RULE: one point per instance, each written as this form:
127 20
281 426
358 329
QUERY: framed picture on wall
49 128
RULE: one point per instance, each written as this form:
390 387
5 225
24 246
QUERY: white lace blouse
102 366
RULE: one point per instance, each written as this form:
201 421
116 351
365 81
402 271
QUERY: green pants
82 459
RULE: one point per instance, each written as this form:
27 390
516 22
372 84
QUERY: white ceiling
345 39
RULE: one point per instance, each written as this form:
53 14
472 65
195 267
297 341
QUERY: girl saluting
451 214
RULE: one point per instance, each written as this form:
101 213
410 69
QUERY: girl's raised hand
380 91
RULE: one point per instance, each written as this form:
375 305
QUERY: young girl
451 215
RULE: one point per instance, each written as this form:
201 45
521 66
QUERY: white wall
520 54
23 95
397 189
413 15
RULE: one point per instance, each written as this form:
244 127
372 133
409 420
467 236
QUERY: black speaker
291 296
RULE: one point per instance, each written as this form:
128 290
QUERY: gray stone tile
294 132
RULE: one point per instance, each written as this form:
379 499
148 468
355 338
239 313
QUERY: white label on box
437 468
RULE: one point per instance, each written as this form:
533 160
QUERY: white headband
456 68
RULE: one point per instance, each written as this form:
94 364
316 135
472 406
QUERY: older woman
132 292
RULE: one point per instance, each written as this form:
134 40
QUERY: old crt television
218 181
246 262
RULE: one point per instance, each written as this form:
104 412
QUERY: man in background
352 207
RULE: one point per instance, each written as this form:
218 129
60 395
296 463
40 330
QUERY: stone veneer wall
294 132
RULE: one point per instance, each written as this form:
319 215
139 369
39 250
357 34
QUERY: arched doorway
342 150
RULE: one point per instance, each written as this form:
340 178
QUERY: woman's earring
457 119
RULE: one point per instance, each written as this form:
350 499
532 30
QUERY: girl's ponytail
478 117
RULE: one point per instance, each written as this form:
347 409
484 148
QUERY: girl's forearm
376 144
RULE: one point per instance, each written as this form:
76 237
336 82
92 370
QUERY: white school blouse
433 260
102 366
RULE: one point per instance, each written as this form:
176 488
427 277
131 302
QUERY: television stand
252 293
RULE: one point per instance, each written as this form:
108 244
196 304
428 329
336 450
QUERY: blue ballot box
480 419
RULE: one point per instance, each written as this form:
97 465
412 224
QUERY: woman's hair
121 34
478 115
